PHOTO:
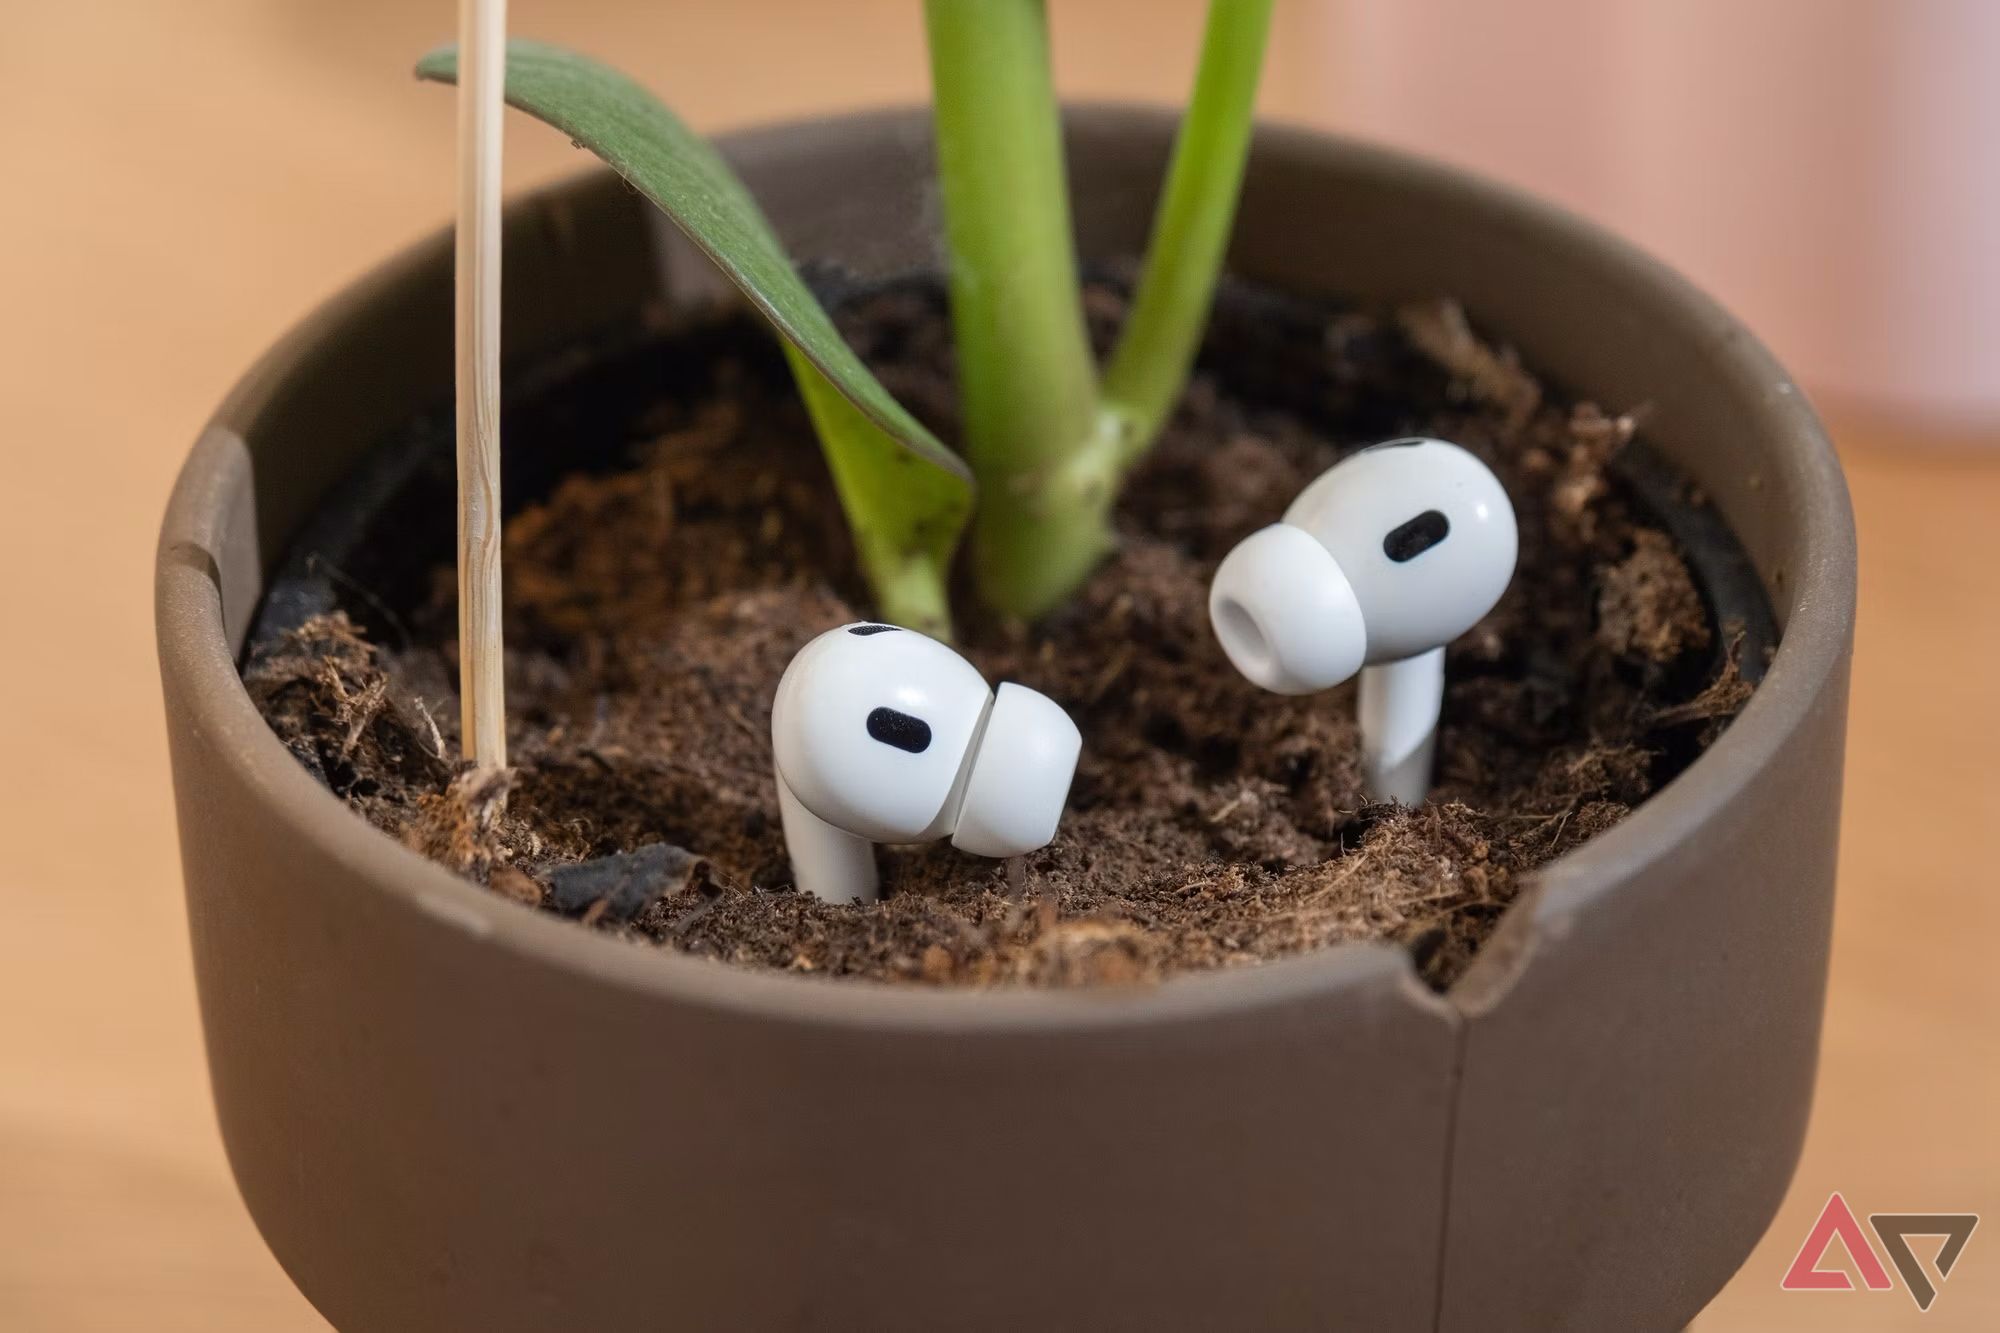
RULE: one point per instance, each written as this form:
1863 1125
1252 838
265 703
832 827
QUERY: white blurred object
1829 168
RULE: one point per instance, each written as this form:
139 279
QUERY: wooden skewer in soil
482 42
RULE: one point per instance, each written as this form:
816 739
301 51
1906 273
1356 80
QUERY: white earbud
1389 555
883 735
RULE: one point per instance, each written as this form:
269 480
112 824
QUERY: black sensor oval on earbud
1410 540
900 730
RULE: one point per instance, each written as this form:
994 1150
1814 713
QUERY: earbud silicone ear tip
1286 614
1020 776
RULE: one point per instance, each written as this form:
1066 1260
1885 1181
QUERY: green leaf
907 497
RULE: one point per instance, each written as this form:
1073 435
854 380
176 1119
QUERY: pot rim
1816 615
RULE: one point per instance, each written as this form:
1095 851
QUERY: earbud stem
1398 709
828 862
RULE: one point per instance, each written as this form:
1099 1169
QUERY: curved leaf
906 495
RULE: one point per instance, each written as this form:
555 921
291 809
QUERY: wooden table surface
181 182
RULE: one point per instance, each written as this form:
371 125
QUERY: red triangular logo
1836 1219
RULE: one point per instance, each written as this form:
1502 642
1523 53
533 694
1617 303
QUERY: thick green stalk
1190 229
1027 384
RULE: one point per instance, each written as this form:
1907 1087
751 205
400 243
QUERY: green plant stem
1190 229
905 556
1026 380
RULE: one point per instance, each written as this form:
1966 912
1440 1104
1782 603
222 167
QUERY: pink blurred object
1829 168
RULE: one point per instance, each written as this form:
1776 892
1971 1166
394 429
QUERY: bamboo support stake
482 44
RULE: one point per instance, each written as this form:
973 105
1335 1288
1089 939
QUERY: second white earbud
883 735
1389 555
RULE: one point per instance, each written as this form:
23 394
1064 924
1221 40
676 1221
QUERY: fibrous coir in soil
652 608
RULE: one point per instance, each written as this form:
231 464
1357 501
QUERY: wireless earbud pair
884 735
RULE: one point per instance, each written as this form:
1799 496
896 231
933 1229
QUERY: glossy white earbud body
1385 558
883 735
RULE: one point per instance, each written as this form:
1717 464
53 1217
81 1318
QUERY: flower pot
448 1111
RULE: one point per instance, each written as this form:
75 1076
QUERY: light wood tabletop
181 182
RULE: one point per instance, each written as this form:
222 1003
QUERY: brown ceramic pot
446 1111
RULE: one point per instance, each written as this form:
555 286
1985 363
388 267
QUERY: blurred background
180 180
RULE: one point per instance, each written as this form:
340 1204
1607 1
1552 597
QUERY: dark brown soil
652 607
